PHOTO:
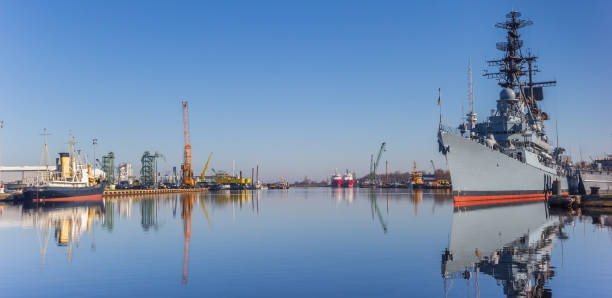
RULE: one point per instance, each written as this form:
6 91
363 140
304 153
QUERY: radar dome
507 94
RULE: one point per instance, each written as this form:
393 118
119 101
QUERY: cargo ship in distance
71 181
336 180
508 156
348 180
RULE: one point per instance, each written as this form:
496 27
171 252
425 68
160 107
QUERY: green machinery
374 207
149 168
108 166
375 165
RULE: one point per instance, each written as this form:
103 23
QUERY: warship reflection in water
517 253
508 156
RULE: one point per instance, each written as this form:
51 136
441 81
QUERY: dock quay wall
125 192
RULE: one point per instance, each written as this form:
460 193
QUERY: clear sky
301 88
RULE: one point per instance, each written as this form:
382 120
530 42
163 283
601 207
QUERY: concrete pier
126 192
573 201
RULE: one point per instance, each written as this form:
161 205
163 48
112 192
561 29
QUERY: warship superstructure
507 156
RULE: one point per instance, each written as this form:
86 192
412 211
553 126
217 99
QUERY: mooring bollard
556 187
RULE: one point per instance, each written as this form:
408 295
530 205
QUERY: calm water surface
303 242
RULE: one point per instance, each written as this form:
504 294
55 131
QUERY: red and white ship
348 180
336 180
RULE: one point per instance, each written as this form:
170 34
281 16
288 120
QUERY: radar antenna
471 116
515 65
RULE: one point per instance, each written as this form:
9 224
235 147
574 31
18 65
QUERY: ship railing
449 129
31 181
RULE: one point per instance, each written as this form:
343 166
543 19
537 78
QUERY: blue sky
300 88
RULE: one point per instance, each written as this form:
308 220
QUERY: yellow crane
203 176
417 177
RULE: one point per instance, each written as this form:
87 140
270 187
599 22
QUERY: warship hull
479 173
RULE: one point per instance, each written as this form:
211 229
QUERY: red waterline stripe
499 197
465 201
71 199
496 197
495 202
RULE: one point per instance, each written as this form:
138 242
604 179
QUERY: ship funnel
65 165
90 175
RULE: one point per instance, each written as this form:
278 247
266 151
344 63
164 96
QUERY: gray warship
515 253
596 175
508 156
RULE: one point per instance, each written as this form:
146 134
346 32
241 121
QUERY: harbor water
302 242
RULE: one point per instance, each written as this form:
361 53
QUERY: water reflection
346 195
417 198
511 243
301 237
227 197
148 212
187 207
599 217
64 222
374 208
203 203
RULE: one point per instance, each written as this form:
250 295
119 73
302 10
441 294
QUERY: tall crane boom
373 174
205 167
185 122
187 172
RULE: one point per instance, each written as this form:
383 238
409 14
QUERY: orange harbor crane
187 172
187 202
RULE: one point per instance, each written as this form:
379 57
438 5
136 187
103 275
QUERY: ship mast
46 153
471 116
72 158
512 67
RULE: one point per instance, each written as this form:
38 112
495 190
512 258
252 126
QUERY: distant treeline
396 176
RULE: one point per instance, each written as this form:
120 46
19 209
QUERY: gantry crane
375 166
187 172
203 176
